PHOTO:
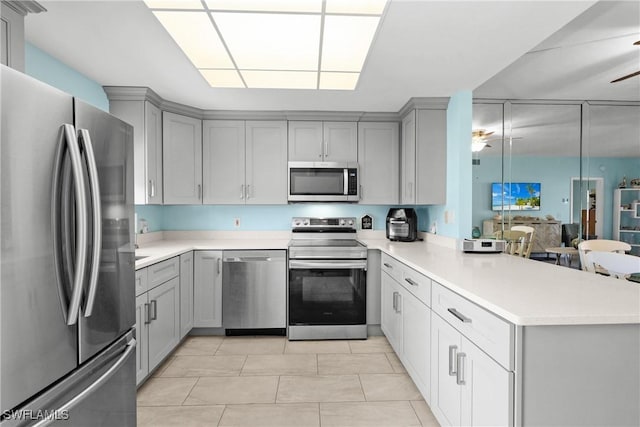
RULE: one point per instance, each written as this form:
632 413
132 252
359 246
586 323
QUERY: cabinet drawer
163 271
141 281
392 267
418 284
492 334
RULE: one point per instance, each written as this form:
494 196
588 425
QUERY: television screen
516 196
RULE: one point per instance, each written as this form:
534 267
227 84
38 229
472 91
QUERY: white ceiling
423 49
579 61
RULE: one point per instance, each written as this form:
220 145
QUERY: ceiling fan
479 140
637 73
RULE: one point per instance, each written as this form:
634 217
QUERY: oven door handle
324 264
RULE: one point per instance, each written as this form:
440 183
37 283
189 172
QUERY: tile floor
270 381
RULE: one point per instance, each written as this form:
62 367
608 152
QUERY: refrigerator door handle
130 348
85 139
68 139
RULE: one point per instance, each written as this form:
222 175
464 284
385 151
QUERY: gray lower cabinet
468 387
207 290
186 293
157 315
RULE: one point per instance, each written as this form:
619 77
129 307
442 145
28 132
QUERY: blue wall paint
48 69
459 200
554 173
276 217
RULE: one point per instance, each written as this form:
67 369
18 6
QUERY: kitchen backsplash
250 218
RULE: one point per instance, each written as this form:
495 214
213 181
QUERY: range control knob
351 222
306 222
297 222
342 222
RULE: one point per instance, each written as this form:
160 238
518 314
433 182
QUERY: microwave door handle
345 189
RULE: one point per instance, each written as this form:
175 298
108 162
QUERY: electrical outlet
448 217
236 222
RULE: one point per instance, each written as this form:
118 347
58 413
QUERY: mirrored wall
551 164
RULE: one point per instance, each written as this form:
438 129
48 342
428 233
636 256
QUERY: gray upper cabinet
245 162
146 120
424 157
316 141
12 31
223 161
182 159
266 162
378 150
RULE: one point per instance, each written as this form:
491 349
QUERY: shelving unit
626 217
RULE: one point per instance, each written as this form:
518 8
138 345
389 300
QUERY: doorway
587 206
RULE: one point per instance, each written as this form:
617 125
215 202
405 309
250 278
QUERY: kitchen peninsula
545 345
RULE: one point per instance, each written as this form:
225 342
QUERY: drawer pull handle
461 317
453 360
411 282
388 265
460 365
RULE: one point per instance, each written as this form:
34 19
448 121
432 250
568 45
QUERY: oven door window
311 181
327 296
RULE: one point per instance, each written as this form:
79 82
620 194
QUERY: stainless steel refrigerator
67 348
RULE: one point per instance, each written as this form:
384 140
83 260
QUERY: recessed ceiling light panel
368 7
296 44
338 81
268 41
174 4
295 6
346 42
223 78
195 35
280 79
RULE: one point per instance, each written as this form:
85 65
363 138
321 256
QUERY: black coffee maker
402 225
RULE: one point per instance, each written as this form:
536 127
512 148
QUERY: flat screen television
516 196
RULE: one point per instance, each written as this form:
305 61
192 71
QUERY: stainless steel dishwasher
254 292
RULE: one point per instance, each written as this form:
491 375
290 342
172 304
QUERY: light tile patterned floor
270 381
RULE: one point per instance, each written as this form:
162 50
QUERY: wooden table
563 250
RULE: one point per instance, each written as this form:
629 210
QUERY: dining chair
527 243
514 238
601 245
615 264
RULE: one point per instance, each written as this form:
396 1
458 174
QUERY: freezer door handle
85 139
67 139
129 349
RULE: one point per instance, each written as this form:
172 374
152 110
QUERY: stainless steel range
327 280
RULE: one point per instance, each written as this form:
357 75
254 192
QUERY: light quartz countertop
522 291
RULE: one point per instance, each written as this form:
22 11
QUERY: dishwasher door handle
248 259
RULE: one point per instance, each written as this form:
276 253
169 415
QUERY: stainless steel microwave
323 182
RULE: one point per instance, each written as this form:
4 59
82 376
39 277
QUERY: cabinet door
340 141
153 147
266 162
391 320
408 160
378 150
142 338
431 157
416 342
487 392
207 290
305 141
182 159
445 392
223 162
164 329
186 293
